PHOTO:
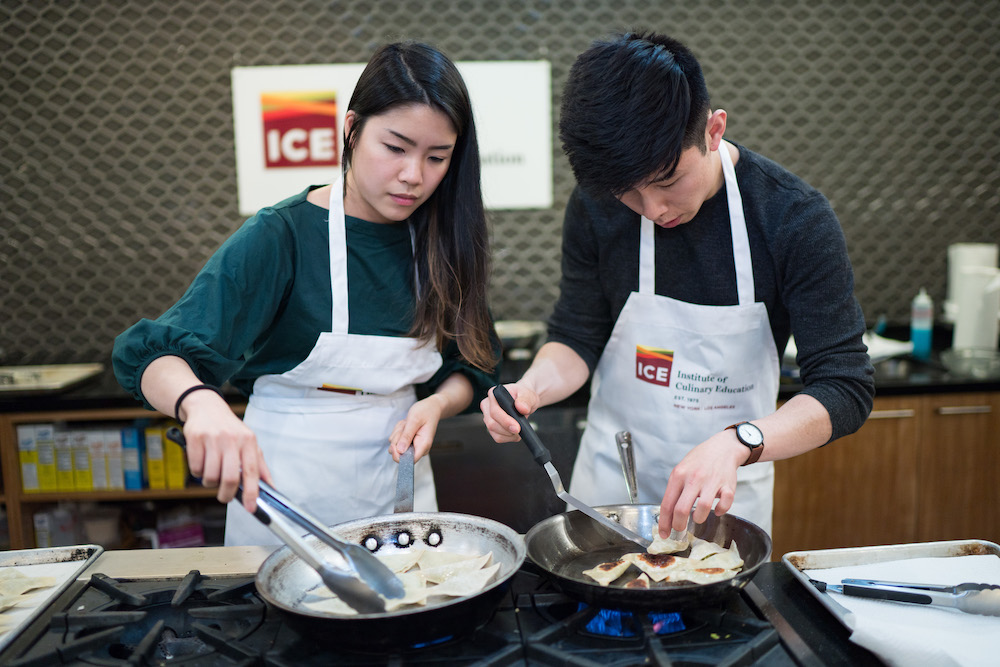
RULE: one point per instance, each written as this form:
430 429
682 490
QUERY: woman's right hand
221 448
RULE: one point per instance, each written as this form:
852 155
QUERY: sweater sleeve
826 320
231 301
582 318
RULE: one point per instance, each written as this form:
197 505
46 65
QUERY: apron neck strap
738 229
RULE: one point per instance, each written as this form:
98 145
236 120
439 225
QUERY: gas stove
220 620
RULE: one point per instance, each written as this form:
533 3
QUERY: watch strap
755 452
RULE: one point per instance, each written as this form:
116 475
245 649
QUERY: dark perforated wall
117 159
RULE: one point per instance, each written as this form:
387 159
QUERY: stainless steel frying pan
566 544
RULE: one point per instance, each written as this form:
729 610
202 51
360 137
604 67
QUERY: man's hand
502 426
706 474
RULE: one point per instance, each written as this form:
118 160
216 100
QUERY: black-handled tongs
971 598
365 591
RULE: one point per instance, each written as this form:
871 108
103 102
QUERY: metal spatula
362 592
544 458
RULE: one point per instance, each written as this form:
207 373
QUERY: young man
688 261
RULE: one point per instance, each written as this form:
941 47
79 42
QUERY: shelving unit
20 506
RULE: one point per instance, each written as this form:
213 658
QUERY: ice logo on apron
653 365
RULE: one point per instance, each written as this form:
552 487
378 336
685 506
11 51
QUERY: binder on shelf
64 460
27 452
132 446
98 460
156 474
45 442
82 472
113 451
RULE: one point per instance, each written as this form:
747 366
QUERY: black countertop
893 377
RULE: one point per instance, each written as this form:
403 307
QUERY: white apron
328 451
674 373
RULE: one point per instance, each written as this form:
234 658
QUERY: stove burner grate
152 622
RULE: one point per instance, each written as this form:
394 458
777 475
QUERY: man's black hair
631 105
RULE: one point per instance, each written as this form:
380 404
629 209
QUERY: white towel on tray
907 634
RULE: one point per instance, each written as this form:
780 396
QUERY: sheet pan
63 563
800 561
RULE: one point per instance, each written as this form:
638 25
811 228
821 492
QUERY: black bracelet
184 394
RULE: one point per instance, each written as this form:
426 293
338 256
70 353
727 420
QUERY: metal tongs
544 458
363 587
971 598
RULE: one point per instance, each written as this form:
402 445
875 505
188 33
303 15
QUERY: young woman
335 309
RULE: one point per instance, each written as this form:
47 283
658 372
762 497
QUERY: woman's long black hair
452 241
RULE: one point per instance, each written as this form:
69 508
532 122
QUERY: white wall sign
289 128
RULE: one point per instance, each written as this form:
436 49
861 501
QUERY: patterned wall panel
117 169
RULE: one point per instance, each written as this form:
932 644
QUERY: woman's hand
221 449
420 425
418 429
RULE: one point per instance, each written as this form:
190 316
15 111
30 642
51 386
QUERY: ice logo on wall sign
653 365
300 129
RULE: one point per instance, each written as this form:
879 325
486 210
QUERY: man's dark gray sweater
802 274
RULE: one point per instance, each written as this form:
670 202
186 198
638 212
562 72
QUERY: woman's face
399 158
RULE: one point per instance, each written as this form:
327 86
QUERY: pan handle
531 439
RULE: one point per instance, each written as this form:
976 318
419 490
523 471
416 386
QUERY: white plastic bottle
921 324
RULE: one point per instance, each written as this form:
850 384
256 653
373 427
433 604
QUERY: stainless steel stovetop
220 620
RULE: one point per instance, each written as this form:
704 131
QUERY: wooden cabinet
21 506
922 468
959 472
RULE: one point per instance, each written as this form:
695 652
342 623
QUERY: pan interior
285 580
567 544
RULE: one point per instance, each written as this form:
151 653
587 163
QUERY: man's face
676 200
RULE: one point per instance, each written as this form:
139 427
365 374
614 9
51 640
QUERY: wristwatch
752 437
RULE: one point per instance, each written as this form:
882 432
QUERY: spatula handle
531 439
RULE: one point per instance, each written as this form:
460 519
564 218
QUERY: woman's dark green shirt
261 301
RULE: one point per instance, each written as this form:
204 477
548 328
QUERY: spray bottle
921 324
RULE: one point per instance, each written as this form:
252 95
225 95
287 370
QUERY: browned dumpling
605 573
657 566
642 581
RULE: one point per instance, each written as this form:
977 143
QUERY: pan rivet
434 539
371 543
403 539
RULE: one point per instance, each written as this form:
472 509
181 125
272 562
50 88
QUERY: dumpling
430 558
400 561
701 549
13 583
605 573
669 545
642 581
728 559
657 566
704 575
441 573
465 583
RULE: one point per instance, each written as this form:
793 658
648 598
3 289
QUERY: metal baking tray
63 563
28 380
800 561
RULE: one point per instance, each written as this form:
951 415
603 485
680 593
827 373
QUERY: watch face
750 434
